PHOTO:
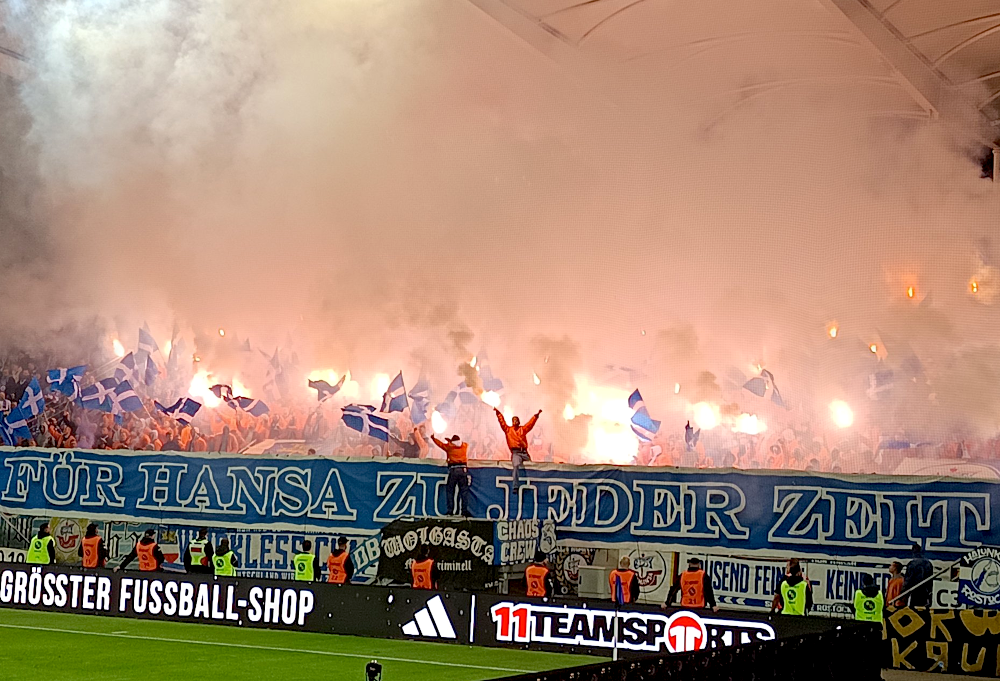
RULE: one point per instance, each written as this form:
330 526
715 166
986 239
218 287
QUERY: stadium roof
899 58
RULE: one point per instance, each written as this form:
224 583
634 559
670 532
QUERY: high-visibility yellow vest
793 598
224 564
38 551
303 563
868 608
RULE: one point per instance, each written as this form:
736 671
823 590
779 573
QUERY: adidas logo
431 621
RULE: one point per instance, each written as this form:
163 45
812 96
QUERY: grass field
61 647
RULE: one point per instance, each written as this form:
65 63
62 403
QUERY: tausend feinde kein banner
744 512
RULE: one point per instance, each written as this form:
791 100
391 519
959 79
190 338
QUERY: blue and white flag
126 369
879 383
394 398
462 394
367 423
360 408
324 390
420 399
223 392
147 344
124 399
182 411
490 382
32 402
251 406
66 381
15 427
643 425
759 385
152 372
99 396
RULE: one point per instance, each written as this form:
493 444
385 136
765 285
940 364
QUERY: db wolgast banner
470 619
748 512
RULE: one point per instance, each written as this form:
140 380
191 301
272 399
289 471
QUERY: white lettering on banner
640 631
862 516
877 519
154 596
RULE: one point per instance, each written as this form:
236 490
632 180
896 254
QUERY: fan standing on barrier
339 566
517 441
42 549
695 587
458 472
92 552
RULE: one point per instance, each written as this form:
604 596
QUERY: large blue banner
743 512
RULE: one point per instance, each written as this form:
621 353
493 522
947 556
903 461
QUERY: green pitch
37 645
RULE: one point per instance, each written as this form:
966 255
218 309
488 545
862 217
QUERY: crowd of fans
64 423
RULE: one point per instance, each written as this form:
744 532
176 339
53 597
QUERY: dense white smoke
378 185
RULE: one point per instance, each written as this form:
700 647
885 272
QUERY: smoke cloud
382 185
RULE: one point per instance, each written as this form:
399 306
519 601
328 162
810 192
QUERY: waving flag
490 382
124 399
420 400
462 394
223 392
15 427
880 382
147 344
394 398
643 426
32 402
251 406
126 369
152 372
324 390
759 384
99 396
360 409
182 411
366 422
66 381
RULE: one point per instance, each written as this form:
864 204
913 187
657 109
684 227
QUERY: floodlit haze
379 185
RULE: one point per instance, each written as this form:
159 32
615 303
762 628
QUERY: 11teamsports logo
679 632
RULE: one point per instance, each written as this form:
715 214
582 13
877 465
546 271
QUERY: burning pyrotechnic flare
117 346
438 423
166 347
491 398
705 415
222 333
535 379
473 362
568 413
199 389
749 424
677 388
832 330
974 286
379 385
841 414
910 292
874 348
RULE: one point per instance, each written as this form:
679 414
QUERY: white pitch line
276 649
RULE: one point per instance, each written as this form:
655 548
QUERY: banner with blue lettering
742 511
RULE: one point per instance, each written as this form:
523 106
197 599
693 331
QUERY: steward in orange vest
539 577
339 564
92 552
147 551
423 570
695 587
624 579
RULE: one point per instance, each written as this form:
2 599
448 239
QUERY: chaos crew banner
746 512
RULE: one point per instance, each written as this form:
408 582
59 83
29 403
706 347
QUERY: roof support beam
928 86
